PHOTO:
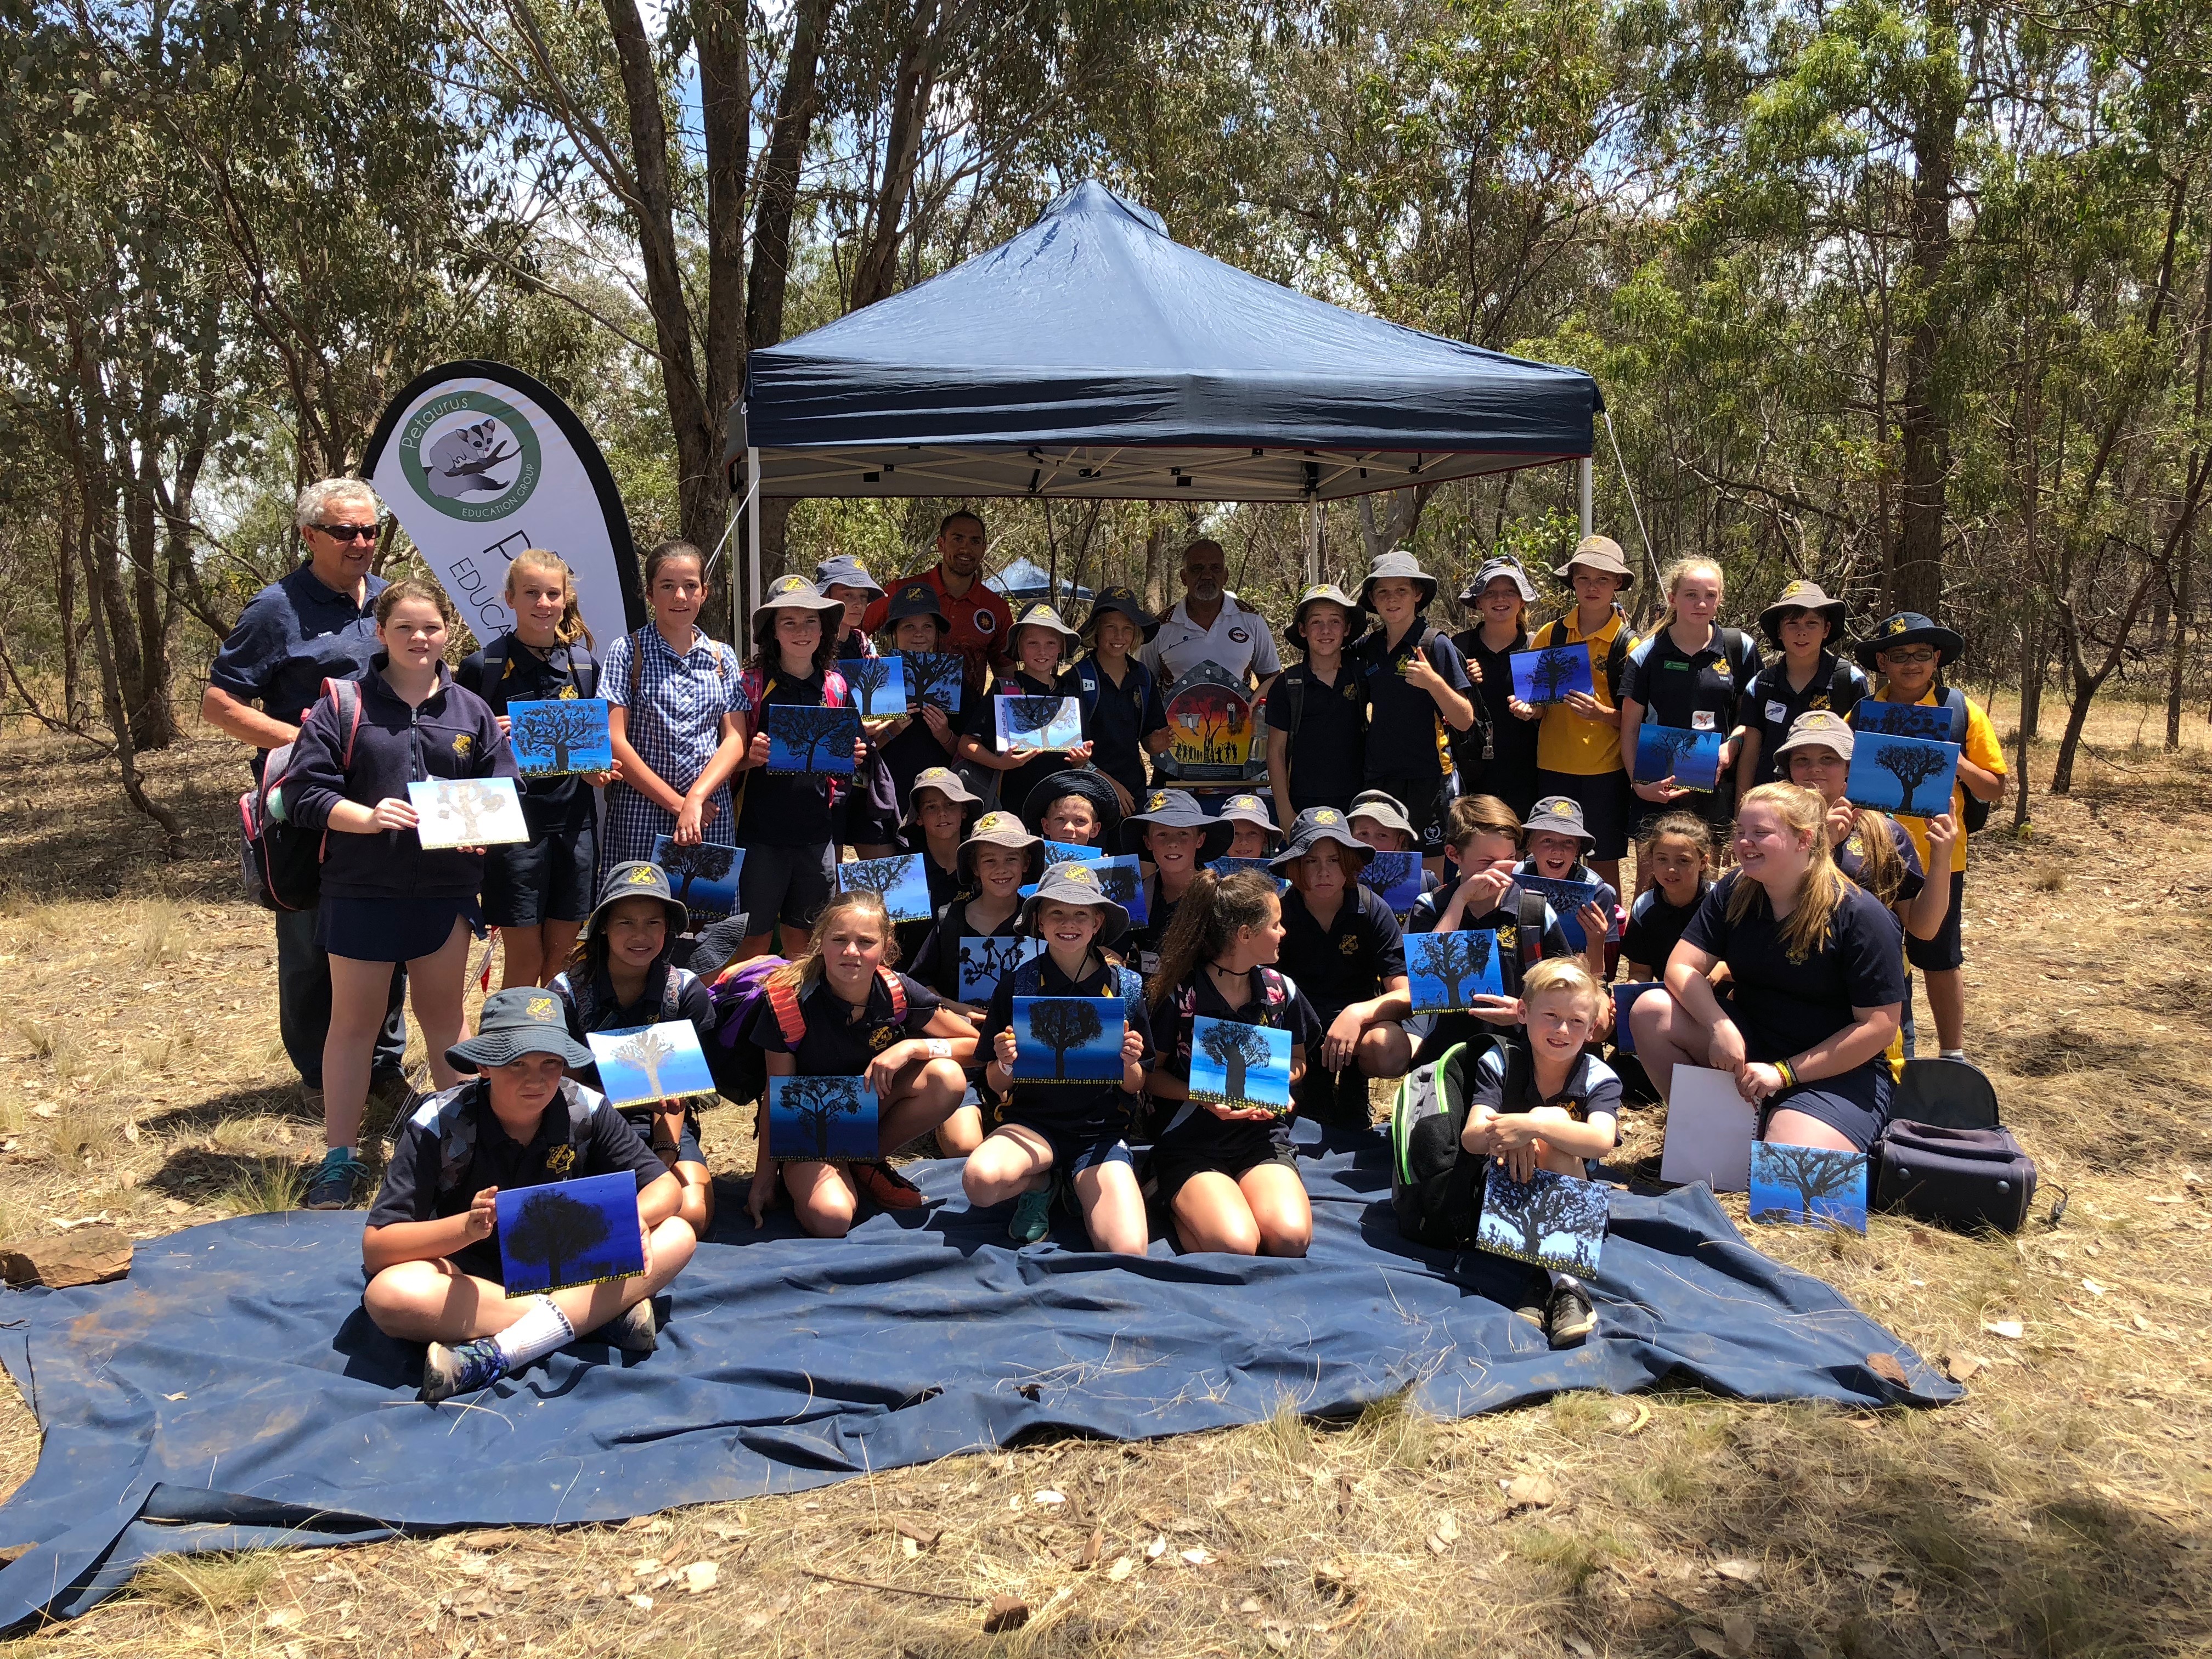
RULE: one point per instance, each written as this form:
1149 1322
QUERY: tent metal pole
1313 543
752 538
1584 475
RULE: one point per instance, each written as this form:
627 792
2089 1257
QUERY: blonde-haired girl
1689 675
1817 983
841 1009
538 893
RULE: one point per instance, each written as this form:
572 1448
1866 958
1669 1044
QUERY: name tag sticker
1778 712
1701 719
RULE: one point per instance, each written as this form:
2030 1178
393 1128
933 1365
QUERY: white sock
1952 1054
1564 1281
542 1328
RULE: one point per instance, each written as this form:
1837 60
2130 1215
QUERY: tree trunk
2185 555
1924 413
913 82
110 685
65 543
153 715
778 186
1155 599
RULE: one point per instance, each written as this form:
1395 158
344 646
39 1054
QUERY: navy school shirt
1505 922
1014 787
452 735
410 1192
598 1010
937 964
1511 768
945 887
915 750
293 635
841 1041
1698 691
1784 1007
1404 725
1328 746
785 809
1770 704
1117 719
1143 943
1347 961
1066 1107
1228 1143
1592 1088
549 805
1654 926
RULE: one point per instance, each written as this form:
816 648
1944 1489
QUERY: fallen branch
890 1589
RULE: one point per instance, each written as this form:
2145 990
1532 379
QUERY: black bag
1961 1178
280 864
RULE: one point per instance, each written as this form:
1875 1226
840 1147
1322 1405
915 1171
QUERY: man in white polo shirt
1210 625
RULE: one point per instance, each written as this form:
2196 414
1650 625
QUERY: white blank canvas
1710 1130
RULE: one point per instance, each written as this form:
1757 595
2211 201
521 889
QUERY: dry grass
2057 1513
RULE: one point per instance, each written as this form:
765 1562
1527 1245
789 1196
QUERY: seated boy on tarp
431 1248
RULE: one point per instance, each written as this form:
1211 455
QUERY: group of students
1787 969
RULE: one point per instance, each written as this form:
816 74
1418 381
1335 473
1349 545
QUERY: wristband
1789 1075
938 1047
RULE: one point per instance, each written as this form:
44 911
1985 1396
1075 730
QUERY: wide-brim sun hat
1908 628
1250 809
947 783
1119 601
1559 815
1355 619
846 571
1177 808
916 599
1092 787
1385 809
636 879
1319 825
1042 615
791 594
519 1020
1075 883
1601 553
1802 595
1489 571
1000 830
1398 563
1818 729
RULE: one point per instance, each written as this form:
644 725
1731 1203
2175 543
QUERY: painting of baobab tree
937 677
1904 719
1120 879
1812 1186
1233 1064
878 685
703 876
651 1062
559 735
1555 1221
819 1119
1551 676
468 812
1910 775
986 960
900 882
583 1232
1693 759
1067 1039
1039 723
1445 970
803 737
1394 878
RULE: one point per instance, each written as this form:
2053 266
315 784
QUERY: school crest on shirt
882 1037
1348 945
463 743
568 692
1505 937
561 1159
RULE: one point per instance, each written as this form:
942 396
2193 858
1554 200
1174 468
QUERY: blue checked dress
675 726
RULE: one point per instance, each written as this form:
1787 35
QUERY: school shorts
1605 797
789 884
549 879
393 929
1075 1146
1426 800
1172 1167
687 1149
1855 1105
1944 951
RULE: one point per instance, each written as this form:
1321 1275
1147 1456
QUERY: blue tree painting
583 1232
1541 676
821 1119
557 736
1907 776
804 738
1444 971
938 676
1811 1186
901 881
985 961
1039 723
651 1062
1394 878
877 685
1693 759
1233 1064
1904 719
703 878
1551 1221
1067 1039
1225 867
1566 899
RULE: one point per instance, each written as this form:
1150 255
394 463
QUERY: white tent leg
752 594
1584 477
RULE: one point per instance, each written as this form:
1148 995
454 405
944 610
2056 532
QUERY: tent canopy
1092 356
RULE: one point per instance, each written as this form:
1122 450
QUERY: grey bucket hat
1075 883
1802 595
1598 553
1399 563
1317 825
637 879
846 571
791 594
1000 830
1384 808
1489 571
1559 815
1250 809
1177 808
1818 729
1042 615
521 1019
947 783
1355 619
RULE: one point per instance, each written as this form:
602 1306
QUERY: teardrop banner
479 461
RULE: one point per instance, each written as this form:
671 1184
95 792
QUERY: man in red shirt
980 618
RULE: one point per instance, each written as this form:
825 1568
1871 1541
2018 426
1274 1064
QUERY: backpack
739 1068
1275 992
584 999
280 863
457 1126
1436 1184
1945 1157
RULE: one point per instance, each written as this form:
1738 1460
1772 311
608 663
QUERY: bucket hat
791 594
947 783
1908 628
1489 571
1817 728
1802 595
1250 809
1000 830
519 1020
637 879
1598 553
846 571
1177 808
1559 815
1398 563
1042 615
916 599
1355 622
1384 808
1075 883
1077 781
1124 601
1316 826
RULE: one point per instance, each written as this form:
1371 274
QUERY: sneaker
336 1182
1571 1317
634 1330
448 1371
1531 1311
1032 1215
889 1188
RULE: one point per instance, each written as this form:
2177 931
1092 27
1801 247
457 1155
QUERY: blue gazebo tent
1024 583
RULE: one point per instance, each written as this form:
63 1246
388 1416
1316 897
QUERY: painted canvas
803 739
1553 1220
468 812
1907 776
1069 852
1710 1129
1233 1064
1693 759
938 676
877 685
704 878
1231 866
1121 881
821 1119
1624 998
1210 727
1443 970
651 1062
1812 1186
563 1233
1039 723
1903 720
1396 878
1067 1039
985 961
1566 899
557 736
901 881
1541 677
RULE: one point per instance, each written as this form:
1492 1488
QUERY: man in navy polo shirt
317 624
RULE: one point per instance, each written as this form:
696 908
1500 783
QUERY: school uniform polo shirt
1770 704
785 809
1690 691
1238 641
1198 1134
1119 718
1654 926
1592 1088
841 1041
1328 749
1784 1007
293 635
1980 747
1349 960
1404 725
1568 741
1512 739
982 619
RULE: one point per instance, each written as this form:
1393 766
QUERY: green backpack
1436 1187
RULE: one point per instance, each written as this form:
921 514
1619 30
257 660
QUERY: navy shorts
1426 800
1172 1167
1943 952
789 884
1075 1146
1605 800
549 879
393 929
1855 1105
687 1149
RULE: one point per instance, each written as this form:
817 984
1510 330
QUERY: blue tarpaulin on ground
230 1394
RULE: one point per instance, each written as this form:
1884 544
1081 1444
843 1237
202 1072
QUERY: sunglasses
347 533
